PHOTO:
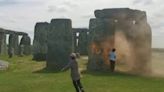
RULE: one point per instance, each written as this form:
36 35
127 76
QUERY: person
75 75
112 57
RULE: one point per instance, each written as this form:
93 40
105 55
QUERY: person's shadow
47 70
107 73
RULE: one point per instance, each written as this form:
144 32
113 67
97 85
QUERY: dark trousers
112 65
78 86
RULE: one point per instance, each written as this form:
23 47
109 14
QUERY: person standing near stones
75 75
112 58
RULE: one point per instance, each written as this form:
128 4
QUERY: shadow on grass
94 73
109 73
47 70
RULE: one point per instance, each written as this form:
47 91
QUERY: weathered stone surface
120 13
81 46
16 44
101 39
126 30
10 46
25 45
13 47
40 41
6 31
59 43
3 46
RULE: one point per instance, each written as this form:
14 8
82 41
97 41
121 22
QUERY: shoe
82 90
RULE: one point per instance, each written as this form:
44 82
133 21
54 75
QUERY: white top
112 56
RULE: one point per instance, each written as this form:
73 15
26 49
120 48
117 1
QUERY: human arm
66 67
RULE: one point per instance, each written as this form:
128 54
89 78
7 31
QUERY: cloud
6 3
71 4
21 15
87 16
62 6
58 9
143 2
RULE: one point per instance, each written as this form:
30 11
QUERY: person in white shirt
112 59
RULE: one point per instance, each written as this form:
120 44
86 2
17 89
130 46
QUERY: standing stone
11 45
101 39
25 45
16 44
129 33
21 50
13 48
40 41
74 40
59 43
3 46
82 45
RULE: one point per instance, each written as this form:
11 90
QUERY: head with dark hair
113 49
73 56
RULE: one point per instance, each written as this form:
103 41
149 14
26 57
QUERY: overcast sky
22 15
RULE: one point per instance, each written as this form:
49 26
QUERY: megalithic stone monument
13 42
13 47
126 30
80 40
59 43
25 44
40 41
3 46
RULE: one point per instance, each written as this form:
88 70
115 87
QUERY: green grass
25 75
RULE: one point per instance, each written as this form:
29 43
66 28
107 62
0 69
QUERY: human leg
76 86
80 85
112 65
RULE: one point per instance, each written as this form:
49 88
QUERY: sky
22 15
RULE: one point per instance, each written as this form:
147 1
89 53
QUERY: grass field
25 75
